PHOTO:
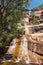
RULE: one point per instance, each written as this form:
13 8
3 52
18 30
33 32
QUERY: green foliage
11 15
35 18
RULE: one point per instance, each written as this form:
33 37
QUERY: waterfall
23 51
20 51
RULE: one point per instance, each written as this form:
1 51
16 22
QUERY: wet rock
1 59
8 56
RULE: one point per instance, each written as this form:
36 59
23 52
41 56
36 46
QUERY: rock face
36 47
23 50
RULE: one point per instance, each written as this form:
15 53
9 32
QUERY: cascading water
20 51
23 51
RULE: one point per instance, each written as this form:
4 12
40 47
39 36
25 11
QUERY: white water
23 55
22 52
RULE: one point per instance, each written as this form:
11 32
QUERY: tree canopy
11 14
